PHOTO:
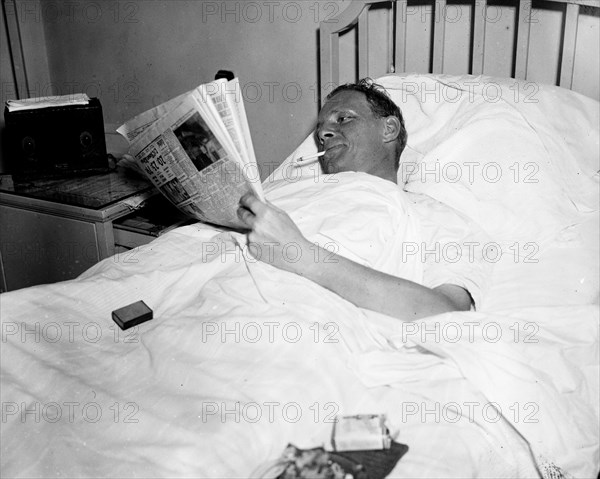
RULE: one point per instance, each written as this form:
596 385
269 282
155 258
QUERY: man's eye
344 119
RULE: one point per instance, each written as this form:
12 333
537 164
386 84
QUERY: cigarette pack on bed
132 315
360 433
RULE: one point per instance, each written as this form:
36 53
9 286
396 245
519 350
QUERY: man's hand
273 237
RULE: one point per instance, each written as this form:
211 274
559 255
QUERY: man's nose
326 131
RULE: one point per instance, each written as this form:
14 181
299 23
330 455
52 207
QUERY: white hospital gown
453 249
373 222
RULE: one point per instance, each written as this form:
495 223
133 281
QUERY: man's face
350 134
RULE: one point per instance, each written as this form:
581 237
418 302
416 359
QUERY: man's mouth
332 150
331 158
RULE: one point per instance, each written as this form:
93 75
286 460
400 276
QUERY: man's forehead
347 99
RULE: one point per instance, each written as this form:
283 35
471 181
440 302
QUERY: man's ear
391 129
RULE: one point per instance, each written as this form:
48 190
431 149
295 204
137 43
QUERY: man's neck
386 171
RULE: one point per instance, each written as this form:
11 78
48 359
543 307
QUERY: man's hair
381 105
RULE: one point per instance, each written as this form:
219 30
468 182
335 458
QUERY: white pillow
518 158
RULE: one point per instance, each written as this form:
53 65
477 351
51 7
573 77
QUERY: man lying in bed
362 130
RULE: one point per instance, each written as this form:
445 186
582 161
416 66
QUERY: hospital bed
242 359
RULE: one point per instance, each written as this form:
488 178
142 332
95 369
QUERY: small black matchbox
132 315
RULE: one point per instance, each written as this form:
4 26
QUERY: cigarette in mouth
304 160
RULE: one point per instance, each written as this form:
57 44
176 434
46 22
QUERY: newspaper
197 150
47 102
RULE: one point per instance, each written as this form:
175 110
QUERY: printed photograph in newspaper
198 142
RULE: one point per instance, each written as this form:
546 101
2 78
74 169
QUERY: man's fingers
251 209
258 207
251 202
248 209
246 216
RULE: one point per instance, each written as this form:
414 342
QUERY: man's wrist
296 256
311 263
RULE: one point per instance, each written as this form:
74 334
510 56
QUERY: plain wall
135 54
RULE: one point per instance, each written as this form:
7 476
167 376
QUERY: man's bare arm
377 291
272 229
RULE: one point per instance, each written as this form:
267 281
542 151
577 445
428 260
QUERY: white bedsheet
242 359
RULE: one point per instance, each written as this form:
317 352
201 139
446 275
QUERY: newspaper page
220 95
136 126
191 158
227 99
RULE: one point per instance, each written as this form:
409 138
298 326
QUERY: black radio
56 141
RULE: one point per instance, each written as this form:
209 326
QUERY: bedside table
55 229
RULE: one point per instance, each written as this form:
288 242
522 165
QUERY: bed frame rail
356 15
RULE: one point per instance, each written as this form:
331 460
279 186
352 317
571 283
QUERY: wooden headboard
397 44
